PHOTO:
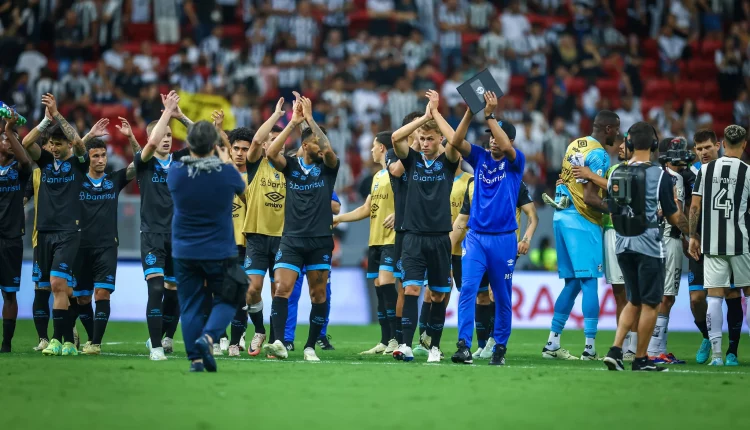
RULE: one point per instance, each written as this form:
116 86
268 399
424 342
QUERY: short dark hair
411 117
202 137
241 133
95 144
384 138
641 135
605 118
734 135
56 133
704 135
276 129
308 133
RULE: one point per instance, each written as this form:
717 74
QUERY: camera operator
635 190
674 157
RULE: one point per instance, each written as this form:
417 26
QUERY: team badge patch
326 258
150 259
278 255
315 172
691 277
108 185
437 166
12 174
65 167
248 262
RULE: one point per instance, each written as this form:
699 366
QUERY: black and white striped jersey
724 186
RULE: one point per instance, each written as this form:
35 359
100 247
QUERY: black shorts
95 268
379 258
398 249
457 270
312 253
260 253
11 260
644 278
427 253
56 251
156 255
695 274
241 250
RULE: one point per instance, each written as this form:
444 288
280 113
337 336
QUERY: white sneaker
392 346
717 361
477 354
425 341
224 344
242 342
256 344
488 349
276 349
234 351
377 349
403 353
168 344
157 354
558 354
309 354
42 344
434 356
217 350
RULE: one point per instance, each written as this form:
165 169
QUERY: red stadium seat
234 32
650 48
517 85
688 90
88 67
575 86
114 111
702 70
649 68
648 104
609 88
140 32
710 90
659 88
132 47
722 111
703 106
709 47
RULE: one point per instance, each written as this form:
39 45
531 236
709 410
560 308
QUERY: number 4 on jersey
722 202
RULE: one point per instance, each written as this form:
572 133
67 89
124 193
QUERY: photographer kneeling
203 186
635 191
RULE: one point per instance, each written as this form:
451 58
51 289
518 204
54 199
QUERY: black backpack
627 199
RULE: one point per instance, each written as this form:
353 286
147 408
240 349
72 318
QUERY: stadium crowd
679 64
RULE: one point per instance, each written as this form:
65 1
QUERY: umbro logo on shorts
278 255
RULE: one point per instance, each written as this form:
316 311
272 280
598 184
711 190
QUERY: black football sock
41 312
382 320
437 321
703 327
391 296
483 317
70 322
279 314
409 318
257 319
170 310
399 330
9 328
317 321
239 325
154 319
59 323
272 332
734 322
101 318
424 317
86 315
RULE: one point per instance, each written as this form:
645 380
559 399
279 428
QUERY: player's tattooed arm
274 150
177 113
15 146
79 149
125 130
695 213
160 129
533 221
256 147
459 229
591 197
130 173
358 214
458 142
329 157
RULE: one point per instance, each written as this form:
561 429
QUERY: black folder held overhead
473 90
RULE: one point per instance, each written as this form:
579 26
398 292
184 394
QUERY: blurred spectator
628 112
380 12
671 47
69 43
741 111
530 140
608 39
304 27
515 24
405 17
115 57
638 17
449 92
591 61
75 85
140 12
147 63
338 133
110 21
290 61
401 101
88 21
129 82
367 104
358 46
661 117
684 13
590 98
492 50
339 99
188 79
336 17
334 46
633 63
20 95
452 21
423 79
241 111
47 83
555 144
729 63
150 105
480 14
566 55
31 62
416 50
583 17
202 15
259 38
211 45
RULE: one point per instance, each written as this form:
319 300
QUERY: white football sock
553 341
654 344
714 320
665 336
590 346
633 342
626 343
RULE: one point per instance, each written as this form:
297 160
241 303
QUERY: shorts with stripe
11 260
312 253
380 258
57 252
427 253
398 249
260 252
672 266
95 268
156 255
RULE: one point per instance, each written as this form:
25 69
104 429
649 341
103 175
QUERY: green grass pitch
122 389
